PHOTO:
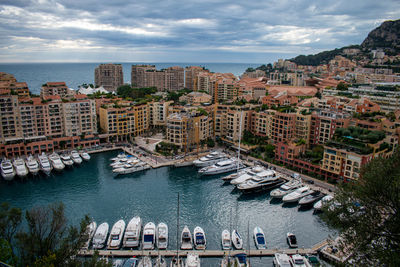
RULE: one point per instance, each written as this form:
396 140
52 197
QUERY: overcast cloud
182 31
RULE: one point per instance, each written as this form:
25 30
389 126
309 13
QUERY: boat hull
261 188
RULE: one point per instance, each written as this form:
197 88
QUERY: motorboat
132 233
120 164
75 157
149 236
7 170
192 260
297 194
90 230
291 240
235 175
221 167
117 232
120 156
85 156
20 168
100 236
131 262
44 164
241 260
118 263
282 260
186 239
299 261
237 240
200 241
251 172
226 240
225 262
56 162
321 203
162 236
210 159
257 184
145 262
160 262
311 199
285 189
66 159
33 165
176 262
130 168
259 238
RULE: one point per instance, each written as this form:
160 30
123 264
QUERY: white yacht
85 156
120 164
237 240
320 203
56 162
75 157
250 173
145 262
210 159
297 194
259 238
186 239
90 230
132 233
240 260
149 236
235 175
131 168
261 183
282 260
162 236
117 232
310 199
226 240
221 167
20 168
192 260
299 261
119 157
66 159
44 163
291 240
200 241
160 262
7 170
32 165
100 236
285 189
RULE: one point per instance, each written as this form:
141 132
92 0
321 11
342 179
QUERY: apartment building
283 127
55 89
169 79
191 73
225 89
138 75
303 126
10 126
324 123
237 122
261 123
159 112
109 76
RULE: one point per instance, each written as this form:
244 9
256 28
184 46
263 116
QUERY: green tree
366 212
10 220
342 86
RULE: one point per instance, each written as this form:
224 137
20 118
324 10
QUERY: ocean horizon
75 74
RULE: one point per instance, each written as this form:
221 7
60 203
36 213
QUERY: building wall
110 76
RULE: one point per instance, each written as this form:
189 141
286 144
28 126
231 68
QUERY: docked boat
131 262
56 162
132 233
285 189
66 159
176 262
291 240
259 238
186 239
118 263
90 230
311 199
235 175
241 260
20 168
120 164
297 194
33 165
200 241
100 236
149 236
131 168
257 184
145 262
282 260
210 159
75 157
226 240
237 240
44 164
299 261
85 156
160 262
321 203
120 156
162 236
221 167
117 232
250 173
192 260
7 170
225 262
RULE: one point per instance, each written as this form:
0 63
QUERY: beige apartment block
55 89
170 79
110 76
159 112
10 126
191 74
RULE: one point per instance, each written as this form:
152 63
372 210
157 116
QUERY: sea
205 201
75 74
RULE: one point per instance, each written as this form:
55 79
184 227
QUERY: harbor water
208 202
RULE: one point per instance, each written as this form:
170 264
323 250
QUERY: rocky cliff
386 36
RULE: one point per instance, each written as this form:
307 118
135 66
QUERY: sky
246 31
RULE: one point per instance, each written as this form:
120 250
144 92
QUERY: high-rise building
110 76
54 89
191 73
138 75
170 79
